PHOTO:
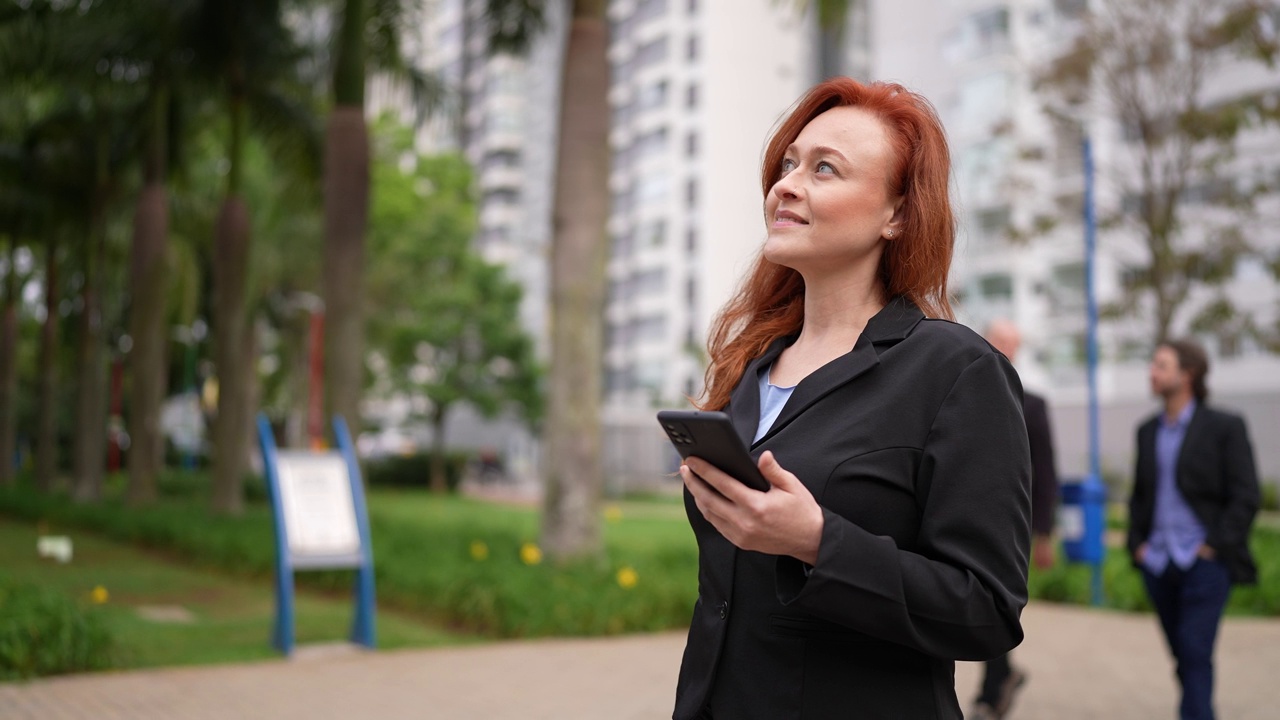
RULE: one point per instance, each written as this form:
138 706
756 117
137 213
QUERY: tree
369 34
1147 63
574 474
369 38
247 48
447 327
157 36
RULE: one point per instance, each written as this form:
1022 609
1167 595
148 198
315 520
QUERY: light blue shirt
772 400
1176 532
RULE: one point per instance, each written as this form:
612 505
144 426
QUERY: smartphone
710 435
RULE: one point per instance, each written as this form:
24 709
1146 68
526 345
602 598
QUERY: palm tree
76 98
369 35
574 476
246 46
158 34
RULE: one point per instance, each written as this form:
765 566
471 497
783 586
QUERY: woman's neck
834 317
836 313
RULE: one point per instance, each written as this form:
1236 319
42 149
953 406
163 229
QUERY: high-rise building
697 87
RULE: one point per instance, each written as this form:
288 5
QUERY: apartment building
697 87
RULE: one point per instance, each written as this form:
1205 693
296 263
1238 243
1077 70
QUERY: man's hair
1192 359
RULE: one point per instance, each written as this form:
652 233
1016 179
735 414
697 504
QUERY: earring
889 234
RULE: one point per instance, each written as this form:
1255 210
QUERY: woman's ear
893 229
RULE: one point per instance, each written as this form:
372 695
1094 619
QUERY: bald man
1002 681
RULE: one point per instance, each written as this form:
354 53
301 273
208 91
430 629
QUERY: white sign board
319 513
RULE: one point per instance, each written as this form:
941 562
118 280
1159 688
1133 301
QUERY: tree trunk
91 395
574 476
346 208
439 479
9 372
148 358
230 426
47 384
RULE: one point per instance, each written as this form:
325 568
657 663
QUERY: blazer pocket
814 629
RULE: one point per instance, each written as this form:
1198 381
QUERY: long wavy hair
770 302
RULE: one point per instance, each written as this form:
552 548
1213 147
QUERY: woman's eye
826 167
788 165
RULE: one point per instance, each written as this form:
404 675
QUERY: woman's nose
786 187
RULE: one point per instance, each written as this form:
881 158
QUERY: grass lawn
222 619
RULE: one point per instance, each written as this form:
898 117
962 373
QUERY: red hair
770 303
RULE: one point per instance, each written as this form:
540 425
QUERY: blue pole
1091 350
282 635
363 629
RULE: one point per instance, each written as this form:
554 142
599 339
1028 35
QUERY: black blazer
1216 477
914 445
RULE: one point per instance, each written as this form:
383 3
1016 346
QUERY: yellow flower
612 513
628 577
530 554
99 595
479 551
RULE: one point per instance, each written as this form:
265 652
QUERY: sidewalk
1082 664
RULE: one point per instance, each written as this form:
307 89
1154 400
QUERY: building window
692 52
691 193
502 196
657 235
996 287
652 190
994 221
1070 9
691 145
691 241
650 53
653 96
693 7
691 96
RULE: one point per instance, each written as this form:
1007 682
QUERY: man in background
1001 681
1195 494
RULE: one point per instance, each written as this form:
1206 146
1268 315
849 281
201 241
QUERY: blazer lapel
1195 428
744 403
893 323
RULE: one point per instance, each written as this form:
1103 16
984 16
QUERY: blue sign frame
362 624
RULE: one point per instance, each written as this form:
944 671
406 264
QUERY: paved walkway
1082 664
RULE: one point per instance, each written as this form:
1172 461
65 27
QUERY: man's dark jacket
1215 475
914 445
1044 475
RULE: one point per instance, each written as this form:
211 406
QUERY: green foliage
426 557
1123 587
464 562
446 325
45 632
413 471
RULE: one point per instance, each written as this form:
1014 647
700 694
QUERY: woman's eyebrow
819 150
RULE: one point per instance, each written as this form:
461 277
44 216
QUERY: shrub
414 471
44 632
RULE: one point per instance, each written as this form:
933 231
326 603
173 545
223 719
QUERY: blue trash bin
1082 519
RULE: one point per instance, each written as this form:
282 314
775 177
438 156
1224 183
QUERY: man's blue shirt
1176 532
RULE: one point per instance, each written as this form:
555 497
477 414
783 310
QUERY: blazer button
724 610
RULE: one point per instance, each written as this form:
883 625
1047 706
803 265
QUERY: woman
894 538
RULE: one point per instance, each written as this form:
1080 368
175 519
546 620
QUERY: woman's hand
784 521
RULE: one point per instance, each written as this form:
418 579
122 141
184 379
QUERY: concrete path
1082 664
